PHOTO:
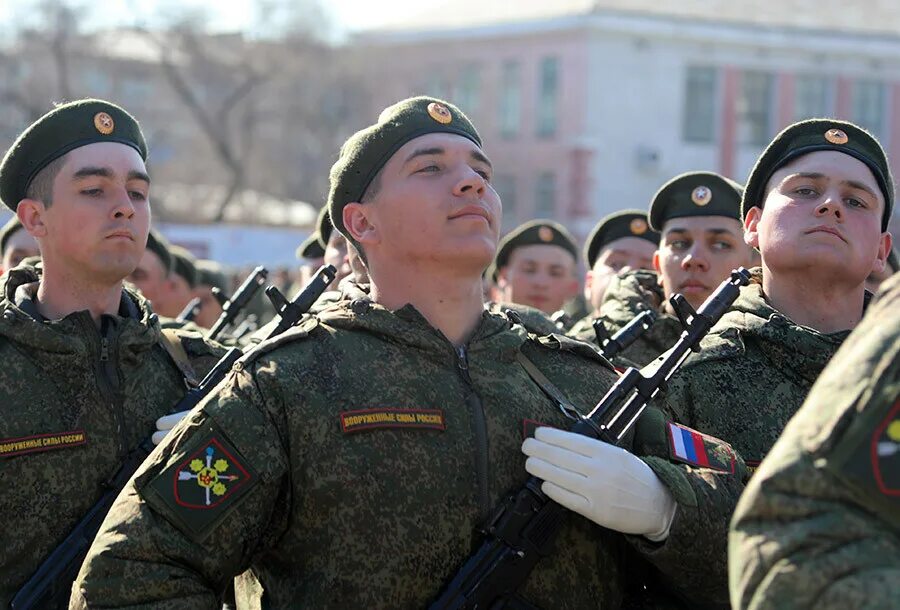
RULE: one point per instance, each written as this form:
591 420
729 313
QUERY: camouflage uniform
819 525
751 375
75 402
355 489
628 295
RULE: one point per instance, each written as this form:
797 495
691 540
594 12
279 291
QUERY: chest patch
389 417
698 449
41 442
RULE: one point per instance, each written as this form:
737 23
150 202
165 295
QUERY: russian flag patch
698 449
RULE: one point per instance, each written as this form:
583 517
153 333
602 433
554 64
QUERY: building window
867 106
510 99
545 195
468 96
754 108
548 95
699 104
812 97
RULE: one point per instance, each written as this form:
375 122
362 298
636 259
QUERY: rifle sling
171 342
555 394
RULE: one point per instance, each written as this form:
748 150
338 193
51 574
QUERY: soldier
183 281
151 276
819 524
535 266
698 215
620 242
816 205
87 368
209 275
16 244
349 462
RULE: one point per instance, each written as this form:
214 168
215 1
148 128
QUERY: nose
123 206
696 259
831 204
470 183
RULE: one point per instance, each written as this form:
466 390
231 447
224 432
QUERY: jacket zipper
108 380
473 402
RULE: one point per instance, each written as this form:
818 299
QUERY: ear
751 227
358 222
884 248
31 214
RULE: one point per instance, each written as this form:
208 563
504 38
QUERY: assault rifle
50 586
628 334
525 525
242 296
190 310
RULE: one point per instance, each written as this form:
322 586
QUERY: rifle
190 310
242 296
50 586
525 524
627 335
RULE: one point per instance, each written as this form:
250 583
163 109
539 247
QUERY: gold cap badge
439 113
836 136
701 195
638 226
104 123
545 234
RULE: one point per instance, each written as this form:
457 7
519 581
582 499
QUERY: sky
230 15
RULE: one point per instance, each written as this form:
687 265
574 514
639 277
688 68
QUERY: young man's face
19 246
98 222
435 208
540 276
697 253
822 213
150 278
623 254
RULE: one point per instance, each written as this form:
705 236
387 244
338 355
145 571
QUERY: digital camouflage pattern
752 373
819 524
74 405
628 295
366 450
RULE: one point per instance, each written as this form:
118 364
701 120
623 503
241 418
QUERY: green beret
157 244
61 130
364 153
210 273
696 194
534 232
310 247
324 228
8 230
820 134
627 223
184 264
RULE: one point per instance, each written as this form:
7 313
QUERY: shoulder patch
568 344
697 449
200 488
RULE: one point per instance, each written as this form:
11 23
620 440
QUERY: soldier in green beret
87 369
535 266
819 524
311 254
350 462
210 274
816 206
16 244
152 276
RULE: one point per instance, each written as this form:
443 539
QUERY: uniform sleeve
692 560
211 496
798 537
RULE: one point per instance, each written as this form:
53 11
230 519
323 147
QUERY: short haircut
41 186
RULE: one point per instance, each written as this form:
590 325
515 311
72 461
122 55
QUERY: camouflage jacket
819 524
75 402
751 375
628 295
348 464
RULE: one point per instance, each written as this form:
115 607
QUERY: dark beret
184 264
210 273
9 229
61 130
157 244
535 232
324 228
696 194
627 223
310 247
814 135
364 153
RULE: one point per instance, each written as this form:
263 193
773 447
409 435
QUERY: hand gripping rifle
524 526
242 296
50 586
628 334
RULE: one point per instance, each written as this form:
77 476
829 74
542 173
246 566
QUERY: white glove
166 423
602 482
